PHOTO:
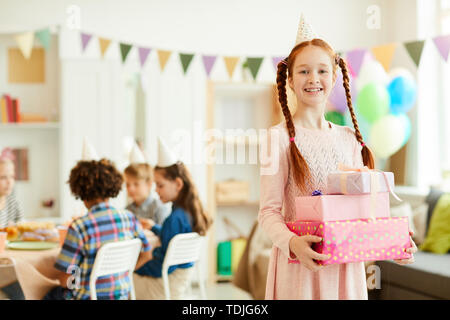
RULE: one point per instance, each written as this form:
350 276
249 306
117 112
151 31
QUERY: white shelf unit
245 108
42 139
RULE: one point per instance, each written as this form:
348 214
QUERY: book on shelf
10 109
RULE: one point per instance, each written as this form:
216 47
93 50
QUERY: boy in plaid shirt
94 182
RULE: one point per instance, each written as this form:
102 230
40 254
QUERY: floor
221 291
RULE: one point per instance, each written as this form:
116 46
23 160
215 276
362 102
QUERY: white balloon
386 136
401 72
371 71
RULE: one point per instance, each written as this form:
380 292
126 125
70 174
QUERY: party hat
136 155
166 157
88 152
305 31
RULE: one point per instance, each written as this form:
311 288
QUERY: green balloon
335 117
373 101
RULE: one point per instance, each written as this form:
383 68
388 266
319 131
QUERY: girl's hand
147 223
301 248
411 250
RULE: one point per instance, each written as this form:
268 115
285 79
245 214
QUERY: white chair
115 257
183 248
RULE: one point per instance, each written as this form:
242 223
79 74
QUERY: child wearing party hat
308 149
10 210
95 182
139 181
173 184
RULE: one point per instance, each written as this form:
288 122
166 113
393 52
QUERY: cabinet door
94 104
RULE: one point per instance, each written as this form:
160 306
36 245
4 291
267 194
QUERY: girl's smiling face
312 77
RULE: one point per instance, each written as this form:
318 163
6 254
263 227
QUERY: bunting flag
44 37
85 38
384 54
254 64
143 55
104 45
355 59
208 63
25 42
276 61
163 56
443 45
186 60
415 49
125 50
230 63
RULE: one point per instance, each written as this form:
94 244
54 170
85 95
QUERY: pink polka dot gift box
382 238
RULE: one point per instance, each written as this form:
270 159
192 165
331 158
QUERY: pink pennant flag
85 38
354 59
208 62
275 61
443 45
143 55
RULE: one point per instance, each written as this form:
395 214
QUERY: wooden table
34 269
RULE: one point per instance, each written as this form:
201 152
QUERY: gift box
359 182
342 207
358 239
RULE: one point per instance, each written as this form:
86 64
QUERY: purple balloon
337 96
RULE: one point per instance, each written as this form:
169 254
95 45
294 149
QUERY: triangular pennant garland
44 37
276 61
124 51
186 61
254 64
443 45
104 45
230 63
163 57
384 54
355 59
208 63
25 42
85 38
143 55
415 49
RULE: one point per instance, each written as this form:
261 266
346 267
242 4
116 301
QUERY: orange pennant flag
384 54
163 58
230 63
104 45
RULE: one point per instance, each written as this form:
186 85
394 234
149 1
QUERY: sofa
429 276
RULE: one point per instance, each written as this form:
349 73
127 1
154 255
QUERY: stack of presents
352 217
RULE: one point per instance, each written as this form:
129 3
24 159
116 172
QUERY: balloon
337 95
373 101
406 127
386 136
335 117
371 72
403 94
363 125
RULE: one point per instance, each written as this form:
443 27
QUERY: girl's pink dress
323 150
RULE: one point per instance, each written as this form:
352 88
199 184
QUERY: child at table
145 205
173 184
10 210
95 182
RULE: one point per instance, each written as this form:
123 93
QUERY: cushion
431 200
404 210
438 235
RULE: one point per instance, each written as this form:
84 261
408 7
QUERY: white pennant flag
25 41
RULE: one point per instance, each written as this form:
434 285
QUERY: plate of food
32 231
31 245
